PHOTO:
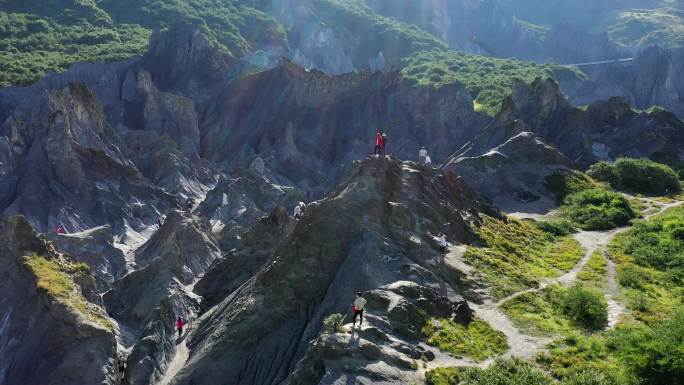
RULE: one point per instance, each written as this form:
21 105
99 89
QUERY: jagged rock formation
513 174
50 330
367 233
605 130
652 79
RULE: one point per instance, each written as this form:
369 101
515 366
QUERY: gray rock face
95 247
513 173
542 109
652 79
64 343
256 334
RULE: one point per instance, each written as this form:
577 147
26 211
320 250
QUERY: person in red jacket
379 143
180 322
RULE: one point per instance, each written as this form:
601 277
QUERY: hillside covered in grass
41 36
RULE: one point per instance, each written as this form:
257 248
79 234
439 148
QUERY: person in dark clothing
180 322
378 143
357 309
384 144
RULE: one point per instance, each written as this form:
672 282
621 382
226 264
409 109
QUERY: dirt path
525 346
177 362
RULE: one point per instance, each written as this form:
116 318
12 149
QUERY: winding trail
526 346
177 362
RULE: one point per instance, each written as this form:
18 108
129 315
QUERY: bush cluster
586 307
637 175
598 209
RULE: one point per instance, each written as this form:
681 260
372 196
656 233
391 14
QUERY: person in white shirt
297 212
357 308
443 244
422 154
428 161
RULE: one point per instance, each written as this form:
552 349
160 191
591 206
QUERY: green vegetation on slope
476 340
597 209
515 255
394 38
55 277
650 265
630 354
637 175
556 310
50 35
593 274
566 182
488 79
663 26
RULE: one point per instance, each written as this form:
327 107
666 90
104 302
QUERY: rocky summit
327 192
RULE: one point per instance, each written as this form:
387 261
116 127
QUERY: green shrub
589 377
598 209
637 175
657 243
632 276
654 354
506 372
477 339
333 323
566 182
557 227
586 307
443 376
640 302
604 172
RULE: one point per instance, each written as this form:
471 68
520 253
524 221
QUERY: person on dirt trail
357 308
378 143
180 322
443 244
122 367
422 155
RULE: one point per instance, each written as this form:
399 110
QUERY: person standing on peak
180 322
428 161
384 144
357 309
378 143
297 212
422 155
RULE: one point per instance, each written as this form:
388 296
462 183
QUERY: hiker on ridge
122 367
384 143
378 143
443 244
297 212
180 322
357 308
422 155
428 161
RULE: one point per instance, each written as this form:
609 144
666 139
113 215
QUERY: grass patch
650 265
55 277
555 310
443 376
477 340
642 176
538 313
574 354
506 372
597 209
593 274
515 255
